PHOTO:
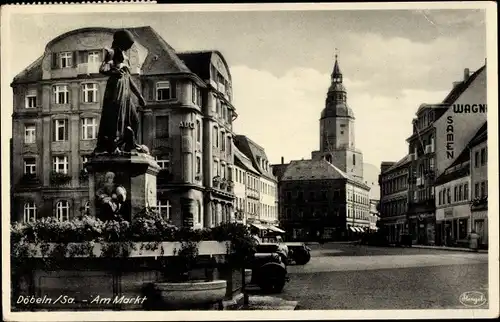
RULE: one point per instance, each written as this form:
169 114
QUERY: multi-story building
440 133
478 147
453 202
393 206
187 124
247 195
319 201
266 182
331 182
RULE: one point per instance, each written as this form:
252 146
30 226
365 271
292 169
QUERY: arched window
62 210
29 212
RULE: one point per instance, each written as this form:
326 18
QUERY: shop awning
361 229
353 229
276 229
259 226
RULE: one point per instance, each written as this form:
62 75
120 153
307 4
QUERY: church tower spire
337 139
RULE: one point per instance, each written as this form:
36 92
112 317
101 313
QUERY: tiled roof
401 162
448 174
197 62
461 87
312 170
253 151
161 58
243 162
279 170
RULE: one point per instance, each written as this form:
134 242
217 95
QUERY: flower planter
192 294
141 249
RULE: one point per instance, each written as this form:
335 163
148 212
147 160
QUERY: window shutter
75 58
53 130
173 88
66 130
151 89
54 61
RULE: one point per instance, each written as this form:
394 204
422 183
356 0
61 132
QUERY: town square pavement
354 277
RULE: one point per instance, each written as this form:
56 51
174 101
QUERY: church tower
337 141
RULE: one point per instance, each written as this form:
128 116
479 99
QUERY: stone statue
119 119
111 198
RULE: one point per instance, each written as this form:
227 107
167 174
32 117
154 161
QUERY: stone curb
257 302
458 249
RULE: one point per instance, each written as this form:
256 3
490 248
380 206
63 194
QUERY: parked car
298 252
278 248
268 272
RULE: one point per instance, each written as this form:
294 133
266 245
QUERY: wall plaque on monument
122 173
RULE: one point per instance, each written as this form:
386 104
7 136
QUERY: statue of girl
119 119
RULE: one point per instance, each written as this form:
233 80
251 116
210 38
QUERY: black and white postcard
249 161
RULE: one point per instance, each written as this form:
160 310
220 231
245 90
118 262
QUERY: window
483 156
163 161
216 168
61 94
93 57
29 133
89 128
196 95
448 192
476 190
89 93
198 165
60 164
165 91
222 171
66 59
476 159
484 193
455 194
62 210
162 128
229 144
60 130
29 212
31 100
198 131
466 191
215 136
164 208
460 193
29 166
222 141
217 106
354 159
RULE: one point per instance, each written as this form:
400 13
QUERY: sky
281 61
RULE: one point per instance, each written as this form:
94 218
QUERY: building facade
453 203
187 125
265 210
247 194
320 202
440 133
393 206
479 184
374 214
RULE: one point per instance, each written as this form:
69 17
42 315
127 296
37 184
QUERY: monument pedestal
136 172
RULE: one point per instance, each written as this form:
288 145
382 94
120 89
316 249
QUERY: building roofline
213 51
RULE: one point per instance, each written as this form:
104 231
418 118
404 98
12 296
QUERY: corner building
187 125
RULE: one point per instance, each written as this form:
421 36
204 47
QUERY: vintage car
278 248
298 253
269 273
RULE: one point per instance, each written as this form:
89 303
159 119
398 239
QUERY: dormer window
66 59
165 91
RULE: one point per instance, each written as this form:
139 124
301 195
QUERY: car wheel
279 285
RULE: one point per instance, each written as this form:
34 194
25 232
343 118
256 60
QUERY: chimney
466 74
282 160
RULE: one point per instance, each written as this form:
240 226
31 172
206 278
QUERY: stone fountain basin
192 293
